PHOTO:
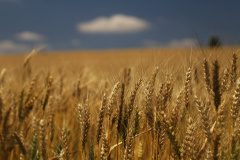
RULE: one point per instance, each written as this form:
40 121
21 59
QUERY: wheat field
141 104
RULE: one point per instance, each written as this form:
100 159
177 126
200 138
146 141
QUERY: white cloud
30 36
118 23
186 42
10 46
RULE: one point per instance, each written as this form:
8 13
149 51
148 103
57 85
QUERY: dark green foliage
214 41
235 152
37 157
58 149
34 147
91 152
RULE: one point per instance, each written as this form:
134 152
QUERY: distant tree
214 41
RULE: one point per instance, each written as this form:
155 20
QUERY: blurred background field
126 57
108 64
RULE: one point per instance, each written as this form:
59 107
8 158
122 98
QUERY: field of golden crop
120 104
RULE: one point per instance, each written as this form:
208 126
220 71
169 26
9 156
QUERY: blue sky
106 24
